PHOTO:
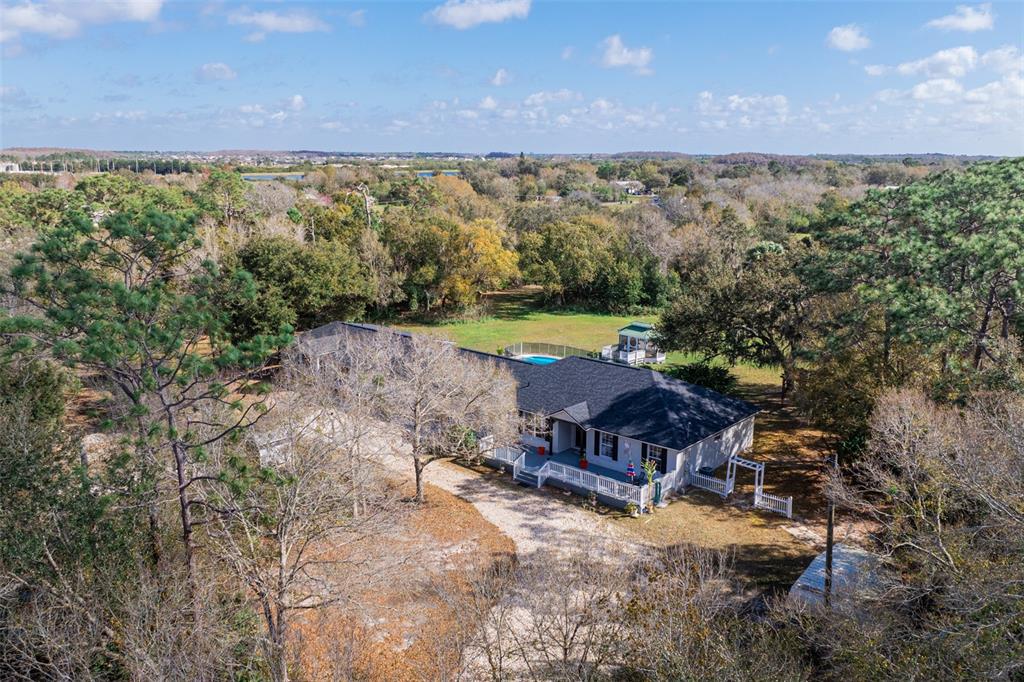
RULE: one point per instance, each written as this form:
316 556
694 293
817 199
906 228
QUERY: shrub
715 377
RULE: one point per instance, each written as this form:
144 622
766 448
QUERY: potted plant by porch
650 468
583 460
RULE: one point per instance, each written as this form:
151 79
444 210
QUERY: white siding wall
563 434
715 451
629 448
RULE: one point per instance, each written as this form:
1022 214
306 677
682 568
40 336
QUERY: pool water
538 359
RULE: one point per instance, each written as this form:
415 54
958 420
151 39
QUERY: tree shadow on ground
793 451
514 304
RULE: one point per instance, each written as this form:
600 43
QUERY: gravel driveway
533 519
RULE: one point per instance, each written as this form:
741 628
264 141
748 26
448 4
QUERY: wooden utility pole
829 536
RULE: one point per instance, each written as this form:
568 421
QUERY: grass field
517 315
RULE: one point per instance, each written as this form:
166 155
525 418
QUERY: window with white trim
659 455
607 445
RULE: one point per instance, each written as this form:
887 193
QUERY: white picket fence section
715 485
774 503
591 481
674 480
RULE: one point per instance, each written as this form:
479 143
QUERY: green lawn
517 315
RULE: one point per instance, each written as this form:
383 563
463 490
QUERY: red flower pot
583 464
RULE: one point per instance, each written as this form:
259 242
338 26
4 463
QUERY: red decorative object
583 462
540 450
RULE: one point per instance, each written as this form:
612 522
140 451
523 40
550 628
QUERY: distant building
6 167
629 186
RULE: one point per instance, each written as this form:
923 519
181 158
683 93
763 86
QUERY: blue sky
512 75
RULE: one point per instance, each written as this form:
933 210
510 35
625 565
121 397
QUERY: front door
580 440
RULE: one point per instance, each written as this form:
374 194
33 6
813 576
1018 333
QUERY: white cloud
275 22
539 99
876 69
62 19
215 71
1006 59
954 62
616 54
1009 90
335 126
295 103
488 103
941 89
134 115
944 107
464 14
744 111
567 52
468 114
848 38
500 77
357 18
966 18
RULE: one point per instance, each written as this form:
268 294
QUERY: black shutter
643 454
663 467
615 448
597 444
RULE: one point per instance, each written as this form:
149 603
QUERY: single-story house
629 186
614 416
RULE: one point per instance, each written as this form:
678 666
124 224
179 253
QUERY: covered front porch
562 469
571 458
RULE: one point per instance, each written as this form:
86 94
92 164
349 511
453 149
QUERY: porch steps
527 478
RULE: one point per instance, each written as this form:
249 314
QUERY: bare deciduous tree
435 398
307 533
945 485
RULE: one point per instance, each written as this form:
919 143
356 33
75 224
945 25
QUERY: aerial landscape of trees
160 311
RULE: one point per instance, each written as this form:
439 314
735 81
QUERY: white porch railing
774 503
506 455
638 356
517 465
715 485
595 482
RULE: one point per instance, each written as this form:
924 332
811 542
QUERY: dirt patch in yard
793 453
403 630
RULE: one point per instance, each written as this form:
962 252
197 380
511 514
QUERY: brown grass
410 633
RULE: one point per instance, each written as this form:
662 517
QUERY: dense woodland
890 295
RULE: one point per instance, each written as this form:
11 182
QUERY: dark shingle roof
629 401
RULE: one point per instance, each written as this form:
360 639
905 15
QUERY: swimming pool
539 359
